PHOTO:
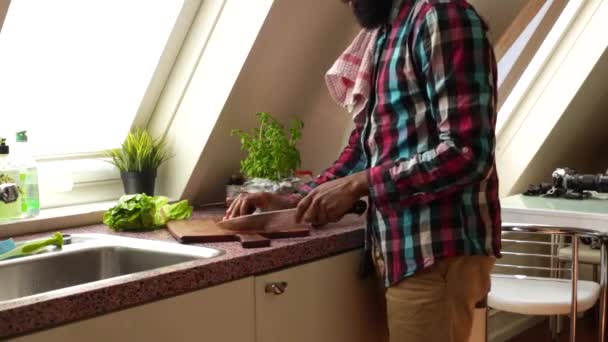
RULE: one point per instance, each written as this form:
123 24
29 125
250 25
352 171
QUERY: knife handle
359 208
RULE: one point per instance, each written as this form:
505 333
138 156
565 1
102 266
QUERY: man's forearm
349 161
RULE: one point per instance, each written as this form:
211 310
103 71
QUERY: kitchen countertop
23 316
588 214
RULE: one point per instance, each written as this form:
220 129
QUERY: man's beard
372 13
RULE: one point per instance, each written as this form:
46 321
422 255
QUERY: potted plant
272 155
138 160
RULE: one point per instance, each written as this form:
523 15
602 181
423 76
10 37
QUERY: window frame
100 183
536 52
207 55
535 65
517 27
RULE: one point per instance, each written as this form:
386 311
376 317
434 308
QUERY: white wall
498 14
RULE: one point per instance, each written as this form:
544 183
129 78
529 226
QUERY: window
526 55
77 75
74 72
551 95
506 63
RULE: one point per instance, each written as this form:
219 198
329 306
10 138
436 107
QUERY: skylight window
531 62
508 60
74 73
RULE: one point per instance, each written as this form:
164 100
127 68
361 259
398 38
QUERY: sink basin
89 258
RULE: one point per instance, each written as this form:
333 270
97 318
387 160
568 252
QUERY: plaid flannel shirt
428 141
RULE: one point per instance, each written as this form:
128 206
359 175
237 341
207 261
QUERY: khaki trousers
438 303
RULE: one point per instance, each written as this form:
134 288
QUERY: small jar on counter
304 176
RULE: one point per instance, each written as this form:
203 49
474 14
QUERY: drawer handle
276 288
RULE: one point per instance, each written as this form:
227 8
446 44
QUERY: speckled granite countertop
22 316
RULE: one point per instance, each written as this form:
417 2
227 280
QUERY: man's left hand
330 201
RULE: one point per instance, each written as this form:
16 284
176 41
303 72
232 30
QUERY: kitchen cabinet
220 313
322 301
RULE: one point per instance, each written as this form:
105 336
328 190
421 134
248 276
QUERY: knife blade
275 220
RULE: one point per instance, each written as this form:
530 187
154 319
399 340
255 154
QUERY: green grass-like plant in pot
138 160
271 149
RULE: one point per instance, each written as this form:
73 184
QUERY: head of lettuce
142 212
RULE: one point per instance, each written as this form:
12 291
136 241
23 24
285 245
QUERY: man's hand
330 201
246 204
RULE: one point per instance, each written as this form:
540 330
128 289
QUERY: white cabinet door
324 301
220 313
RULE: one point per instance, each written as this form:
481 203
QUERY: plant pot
139 182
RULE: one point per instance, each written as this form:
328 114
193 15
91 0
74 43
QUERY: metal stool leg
596 278
559 322
574 304
555 322
483 304
603 289
485 337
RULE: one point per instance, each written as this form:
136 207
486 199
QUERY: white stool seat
539 296
586 254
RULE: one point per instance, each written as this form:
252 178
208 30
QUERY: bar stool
538 295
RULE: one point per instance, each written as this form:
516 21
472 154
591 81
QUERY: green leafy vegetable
143 212
271 149
33 247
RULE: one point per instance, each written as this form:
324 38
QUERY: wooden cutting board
207 230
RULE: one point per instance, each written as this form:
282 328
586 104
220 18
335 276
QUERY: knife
275 220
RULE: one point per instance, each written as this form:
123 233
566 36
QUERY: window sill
57 218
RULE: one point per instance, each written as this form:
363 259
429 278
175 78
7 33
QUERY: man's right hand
246 204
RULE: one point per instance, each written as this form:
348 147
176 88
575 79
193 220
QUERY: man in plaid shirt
425 157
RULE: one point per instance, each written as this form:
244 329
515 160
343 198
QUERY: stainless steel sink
89 258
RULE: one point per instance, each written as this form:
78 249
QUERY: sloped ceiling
498 14
3 10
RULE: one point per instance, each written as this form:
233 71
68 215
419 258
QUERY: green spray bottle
28 175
